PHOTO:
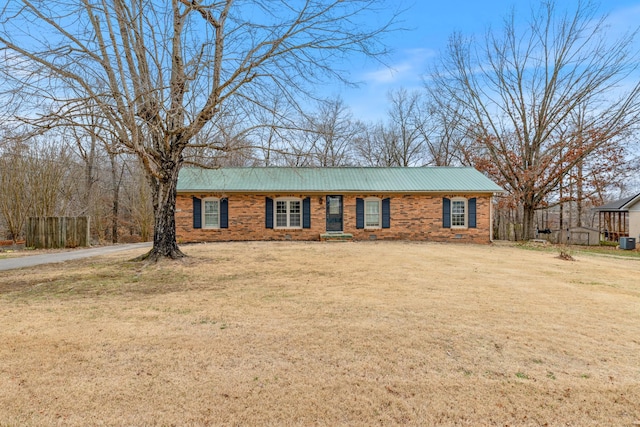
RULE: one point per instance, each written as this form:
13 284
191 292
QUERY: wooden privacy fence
57 232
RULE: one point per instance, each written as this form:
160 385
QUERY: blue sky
430 24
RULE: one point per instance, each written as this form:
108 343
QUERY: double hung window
288 213
458 213
372 213
211 213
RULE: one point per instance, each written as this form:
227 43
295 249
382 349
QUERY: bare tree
401 140
376 147
444 135
137 201
224 143
87 151
34 180
591 177
277 133
407 120
15 170
160 72
91 141
49 169
330 133
518 89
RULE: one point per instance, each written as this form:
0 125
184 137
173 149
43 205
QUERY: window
458 213
288 213
372 213
211 213
334 203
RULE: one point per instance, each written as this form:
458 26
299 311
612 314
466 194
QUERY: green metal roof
335 180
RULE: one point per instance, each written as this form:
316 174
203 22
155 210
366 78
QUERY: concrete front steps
336 237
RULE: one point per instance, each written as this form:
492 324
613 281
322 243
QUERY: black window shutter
386 213
359 213
446 212
268 213
197 213
224 213
472 212
306 212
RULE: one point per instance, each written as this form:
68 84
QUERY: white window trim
466 212
379 202
275 213
204 211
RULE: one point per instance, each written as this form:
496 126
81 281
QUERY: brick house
428 204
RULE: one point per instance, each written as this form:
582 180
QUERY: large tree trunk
529 213
115 190
114 218
164 208
580 192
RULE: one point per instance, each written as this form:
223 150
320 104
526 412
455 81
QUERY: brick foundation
413 217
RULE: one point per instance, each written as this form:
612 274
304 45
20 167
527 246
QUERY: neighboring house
429 204
620 218
634 217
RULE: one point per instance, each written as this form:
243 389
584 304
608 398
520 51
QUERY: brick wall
413 217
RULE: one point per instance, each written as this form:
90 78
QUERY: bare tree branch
158 73
516 90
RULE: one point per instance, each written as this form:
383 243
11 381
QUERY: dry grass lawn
324 334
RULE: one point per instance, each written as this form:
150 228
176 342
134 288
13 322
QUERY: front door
334 213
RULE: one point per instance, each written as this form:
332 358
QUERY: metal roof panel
341 179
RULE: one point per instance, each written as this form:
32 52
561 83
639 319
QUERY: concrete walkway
50 258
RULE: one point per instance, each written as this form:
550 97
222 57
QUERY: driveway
50 258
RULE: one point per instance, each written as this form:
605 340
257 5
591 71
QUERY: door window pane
334 205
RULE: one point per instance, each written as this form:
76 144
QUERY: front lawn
361 333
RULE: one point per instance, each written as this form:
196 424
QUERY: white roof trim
631 202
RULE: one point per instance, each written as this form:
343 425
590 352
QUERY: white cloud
624 18
369 101
387 75
408 69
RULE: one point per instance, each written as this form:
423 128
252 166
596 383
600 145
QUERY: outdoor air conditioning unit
627 243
